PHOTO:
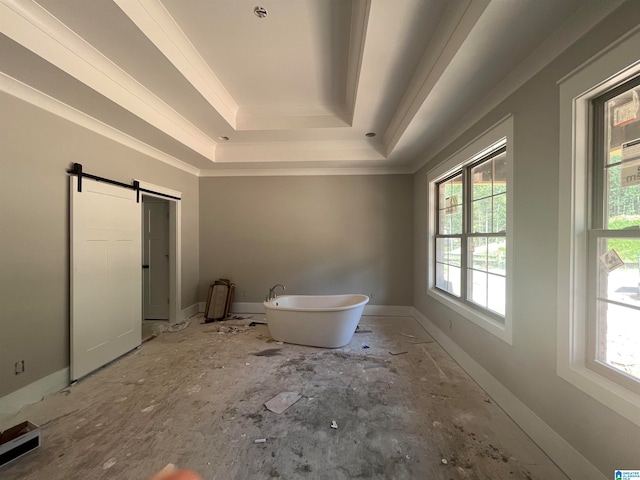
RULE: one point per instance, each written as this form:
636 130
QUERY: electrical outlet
19 367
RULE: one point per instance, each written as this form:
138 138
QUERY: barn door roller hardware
77 170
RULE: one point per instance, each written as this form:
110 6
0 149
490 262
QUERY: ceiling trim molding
452 31
302 172
37 30
585 18
43 101
290 117
157 24
299 152
357 42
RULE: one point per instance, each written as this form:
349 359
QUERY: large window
470 204
614 236
599 228
470 242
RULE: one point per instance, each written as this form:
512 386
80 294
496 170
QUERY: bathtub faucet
271 295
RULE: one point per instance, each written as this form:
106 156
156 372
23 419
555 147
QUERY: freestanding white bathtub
327 321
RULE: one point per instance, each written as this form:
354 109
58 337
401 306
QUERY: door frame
175 246
150 275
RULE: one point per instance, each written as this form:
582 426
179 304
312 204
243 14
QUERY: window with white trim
470 236
470 204
598 316
613 336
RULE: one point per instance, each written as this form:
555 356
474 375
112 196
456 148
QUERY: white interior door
106 284
156 259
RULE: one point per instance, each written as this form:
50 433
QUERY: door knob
145 266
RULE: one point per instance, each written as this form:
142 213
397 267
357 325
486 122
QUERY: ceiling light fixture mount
260 12
370 134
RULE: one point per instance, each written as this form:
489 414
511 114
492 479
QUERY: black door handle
145 266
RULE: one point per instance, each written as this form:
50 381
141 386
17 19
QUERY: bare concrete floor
196 397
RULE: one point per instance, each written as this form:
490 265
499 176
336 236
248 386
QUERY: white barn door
106 283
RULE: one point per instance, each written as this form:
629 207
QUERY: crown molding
359 23
157 24
36 29
43 101
302 172
298 152
587 16
292 117
459 19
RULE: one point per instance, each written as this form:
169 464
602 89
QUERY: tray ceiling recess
219 87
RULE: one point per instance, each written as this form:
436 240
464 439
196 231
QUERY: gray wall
36 149
316 235
528 368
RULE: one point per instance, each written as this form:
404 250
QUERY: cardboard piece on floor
282 401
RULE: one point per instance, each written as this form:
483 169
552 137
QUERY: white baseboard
388 311
192 310
32 393
570 461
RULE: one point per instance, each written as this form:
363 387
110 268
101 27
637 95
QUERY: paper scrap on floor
282 401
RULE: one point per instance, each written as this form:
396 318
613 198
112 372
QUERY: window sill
486 322
616 397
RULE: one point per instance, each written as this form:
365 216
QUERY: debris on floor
362 330
269 352
239 317
334 424
176 327
231 329
282 401
365 346
407 335
398 352
260 440
257 322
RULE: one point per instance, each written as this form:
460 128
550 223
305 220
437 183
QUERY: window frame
597 231
498 136
613 66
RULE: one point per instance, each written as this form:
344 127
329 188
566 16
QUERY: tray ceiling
213 88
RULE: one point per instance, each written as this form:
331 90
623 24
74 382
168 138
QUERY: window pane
619 338
481 216
496 294
619 271
482 180
450 223
478 287
500 174
500 213
497 255
478 252
622 202
622 122
450 206
448 251
621 194
448 278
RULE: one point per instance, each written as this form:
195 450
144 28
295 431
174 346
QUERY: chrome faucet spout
271 295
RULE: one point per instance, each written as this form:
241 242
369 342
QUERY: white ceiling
295 91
